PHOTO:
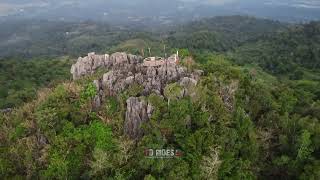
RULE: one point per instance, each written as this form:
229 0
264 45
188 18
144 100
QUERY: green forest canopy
272 131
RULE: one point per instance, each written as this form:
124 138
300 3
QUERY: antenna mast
164 49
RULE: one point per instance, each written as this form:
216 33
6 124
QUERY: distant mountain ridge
32 38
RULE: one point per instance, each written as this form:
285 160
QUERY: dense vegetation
21 79
288 51
222 33
267 128
271 131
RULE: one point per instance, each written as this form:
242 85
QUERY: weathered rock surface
89 64
125 70
138 112
187 84
153 79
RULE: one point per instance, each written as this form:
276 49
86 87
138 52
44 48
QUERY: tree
172 92
305 149
210 164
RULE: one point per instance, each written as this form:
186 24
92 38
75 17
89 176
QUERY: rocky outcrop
125 70
138 112
91 63
187 84
88 65
152 79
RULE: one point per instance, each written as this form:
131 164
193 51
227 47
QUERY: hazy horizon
164 11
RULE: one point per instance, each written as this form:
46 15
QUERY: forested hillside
285 52
222 33
21 79
251 112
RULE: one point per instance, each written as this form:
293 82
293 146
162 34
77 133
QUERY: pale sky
214 2
11 6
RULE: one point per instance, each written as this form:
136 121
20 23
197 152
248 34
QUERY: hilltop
223 121
144 77
240 100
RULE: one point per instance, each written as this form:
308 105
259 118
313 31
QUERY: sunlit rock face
124 70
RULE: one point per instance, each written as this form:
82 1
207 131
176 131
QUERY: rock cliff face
125 70
89 64
138 112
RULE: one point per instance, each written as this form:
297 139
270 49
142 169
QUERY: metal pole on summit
177 57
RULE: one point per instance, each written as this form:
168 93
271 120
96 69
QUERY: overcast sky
12 6
213 2
199 1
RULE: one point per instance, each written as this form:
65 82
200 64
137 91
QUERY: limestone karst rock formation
138 112
92 62
124 70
